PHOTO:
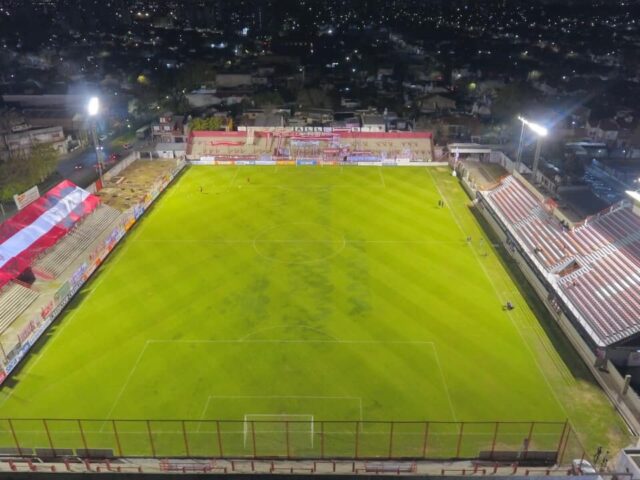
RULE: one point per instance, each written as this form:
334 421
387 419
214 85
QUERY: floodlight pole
519 154
93 108
94 134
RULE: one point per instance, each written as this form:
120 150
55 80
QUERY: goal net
280 426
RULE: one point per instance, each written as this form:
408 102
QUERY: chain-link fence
550 442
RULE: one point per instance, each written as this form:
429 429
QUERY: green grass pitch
303 293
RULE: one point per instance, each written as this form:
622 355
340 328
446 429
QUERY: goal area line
251 420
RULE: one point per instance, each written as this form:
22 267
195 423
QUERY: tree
21 172
207 124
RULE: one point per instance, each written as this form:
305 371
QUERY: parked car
580 466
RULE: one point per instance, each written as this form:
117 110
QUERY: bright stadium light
94 106
534 127
540 132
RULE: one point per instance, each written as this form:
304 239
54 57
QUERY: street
79 167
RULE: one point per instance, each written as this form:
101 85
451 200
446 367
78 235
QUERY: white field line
235 241
67 321
126 382
365 342
499 295
444 382
283 397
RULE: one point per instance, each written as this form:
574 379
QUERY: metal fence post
186 440
459 440
253 438
495 439
566 430
153 447
528 440
15 437
286 435
84 440
46 428
219 438
391 439
117 437
426 438
357 437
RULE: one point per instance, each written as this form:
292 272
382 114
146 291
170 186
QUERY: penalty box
328 379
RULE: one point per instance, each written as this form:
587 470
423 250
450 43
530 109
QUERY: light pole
93 108
540 132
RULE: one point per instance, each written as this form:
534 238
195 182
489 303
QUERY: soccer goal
279 426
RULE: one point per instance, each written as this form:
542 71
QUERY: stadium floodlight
93 107
540 132
534 127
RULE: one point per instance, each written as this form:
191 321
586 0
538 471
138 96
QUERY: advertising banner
304 161
64 294
25 198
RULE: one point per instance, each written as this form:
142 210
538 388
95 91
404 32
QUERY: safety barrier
537 444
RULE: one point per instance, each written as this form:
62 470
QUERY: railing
14 349
545 442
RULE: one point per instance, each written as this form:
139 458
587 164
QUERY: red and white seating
605 290
14 299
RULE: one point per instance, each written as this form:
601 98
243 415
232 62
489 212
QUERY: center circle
299 243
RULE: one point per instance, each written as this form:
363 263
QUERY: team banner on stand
40 225
77 204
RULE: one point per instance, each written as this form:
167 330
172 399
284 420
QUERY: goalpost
278 424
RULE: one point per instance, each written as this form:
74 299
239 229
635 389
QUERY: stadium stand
596 265
40 225
328 145
60 257
14 299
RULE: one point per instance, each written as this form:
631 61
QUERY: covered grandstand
593 269
327 145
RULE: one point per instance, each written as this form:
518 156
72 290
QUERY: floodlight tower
540 132
93 108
